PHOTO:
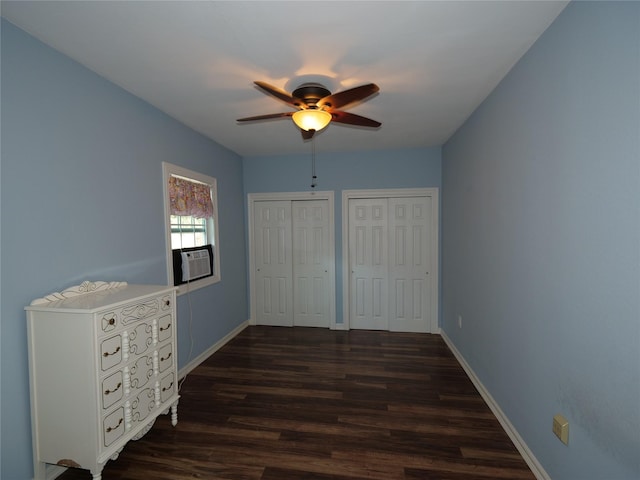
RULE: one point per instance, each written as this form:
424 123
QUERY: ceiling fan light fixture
311 119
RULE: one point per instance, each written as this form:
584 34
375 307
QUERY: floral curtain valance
190 198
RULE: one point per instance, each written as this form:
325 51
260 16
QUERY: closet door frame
432 192
252 198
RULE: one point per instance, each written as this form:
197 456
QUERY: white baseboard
510 430
211 350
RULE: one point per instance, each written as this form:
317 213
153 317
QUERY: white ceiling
434 61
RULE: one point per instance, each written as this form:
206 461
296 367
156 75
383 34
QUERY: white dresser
102 367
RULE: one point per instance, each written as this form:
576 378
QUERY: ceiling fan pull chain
313 162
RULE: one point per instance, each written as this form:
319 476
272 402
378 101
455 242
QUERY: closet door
368 257
409 264
391 263
311 305
293 263
273 263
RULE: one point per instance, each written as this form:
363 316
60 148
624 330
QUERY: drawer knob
167 302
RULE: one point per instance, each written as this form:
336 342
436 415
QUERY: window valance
189 198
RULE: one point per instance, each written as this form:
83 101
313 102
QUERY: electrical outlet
459 321
561 428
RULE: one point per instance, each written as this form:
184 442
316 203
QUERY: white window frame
168 170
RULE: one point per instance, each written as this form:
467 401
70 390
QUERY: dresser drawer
113 426
112 390
165 302
109 322
167 387
165 357
110 352
165 327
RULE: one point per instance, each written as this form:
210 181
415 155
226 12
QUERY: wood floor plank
315 404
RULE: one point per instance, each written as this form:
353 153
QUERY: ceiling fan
317 107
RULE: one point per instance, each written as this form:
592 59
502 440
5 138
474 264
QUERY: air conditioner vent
195 264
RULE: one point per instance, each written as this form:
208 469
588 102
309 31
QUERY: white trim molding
528 456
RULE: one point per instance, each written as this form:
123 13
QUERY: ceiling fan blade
340 99
280 94
353 119
307 134
265 117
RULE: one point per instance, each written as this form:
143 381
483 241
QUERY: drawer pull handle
162 359
107 392
106 354
167 302
162 329
164 389
111 429
112 321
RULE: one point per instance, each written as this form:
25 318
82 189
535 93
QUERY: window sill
197 285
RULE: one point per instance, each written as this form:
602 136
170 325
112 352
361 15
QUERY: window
188 231
191 223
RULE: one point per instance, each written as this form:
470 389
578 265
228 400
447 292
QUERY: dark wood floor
315 404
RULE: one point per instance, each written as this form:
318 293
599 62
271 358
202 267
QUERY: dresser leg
97 476
174 414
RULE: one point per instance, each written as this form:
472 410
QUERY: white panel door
311 302
409 264
273 263
368 248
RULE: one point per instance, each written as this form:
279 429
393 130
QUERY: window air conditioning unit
192 263
195 265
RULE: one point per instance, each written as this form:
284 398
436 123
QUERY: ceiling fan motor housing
311 93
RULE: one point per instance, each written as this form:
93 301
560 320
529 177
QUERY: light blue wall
408 168
82 199
541 233
541 242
